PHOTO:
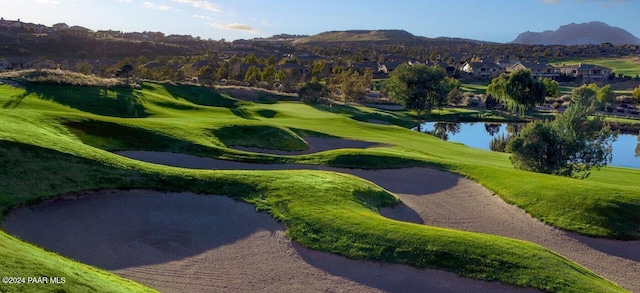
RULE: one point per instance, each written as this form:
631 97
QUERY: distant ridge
594 32
378 36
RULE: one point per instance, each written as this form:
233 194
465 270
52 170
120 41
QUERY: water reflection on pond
479 135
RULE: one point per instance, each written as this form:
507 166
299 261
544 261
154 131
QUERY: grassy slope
611 208
562 202
18 258
323 210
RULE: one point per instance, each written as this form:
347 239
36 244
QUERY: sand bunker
182 242
185 242
316 145
448 200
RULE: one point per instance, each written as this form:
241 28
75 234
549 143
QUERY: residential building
538 69
481 69
587 72
40 64
4 64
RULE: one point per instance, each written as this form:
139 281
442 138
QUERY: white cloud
52 2
235 26
200 4
156 6
201 16
126 1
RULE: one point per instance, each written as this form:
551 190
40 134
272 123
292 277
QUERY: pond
479 135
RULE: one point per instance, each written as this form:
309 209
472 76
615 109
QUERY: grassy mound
117 102
611 208
114 137
195 94
260 136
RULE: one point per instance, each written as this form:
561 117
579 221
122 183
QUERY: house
10 23
75 31
388 66
481 69
587 72
4 64
538 69
40 64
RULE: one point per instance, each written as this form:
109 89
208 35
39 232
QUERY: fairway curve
183 242
449 200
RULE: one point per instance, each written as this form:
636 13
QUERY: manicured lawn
477 88
55 141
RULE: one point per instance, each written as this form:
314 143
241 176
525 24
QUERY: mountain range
591 33
594 33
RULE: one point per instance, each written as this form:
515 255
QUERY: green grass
323 210
51 148
626 66
477 88
18 258
260 136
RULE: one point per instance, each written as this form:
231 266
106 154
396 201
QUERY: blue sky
496 20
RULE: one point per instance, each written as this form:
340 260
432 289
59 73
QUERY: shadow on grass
389 277
260 136
617 216
113 136
200 95
359 115
16 100
243 113
116 102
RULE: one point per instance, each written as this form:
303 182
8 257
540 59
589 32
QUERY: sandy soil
182 242
317 144
225 246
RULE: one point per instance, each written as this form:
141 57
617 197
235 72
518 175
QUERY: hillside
349 36
594 32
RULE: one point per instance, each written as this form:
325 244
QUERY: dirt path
182 242
449 200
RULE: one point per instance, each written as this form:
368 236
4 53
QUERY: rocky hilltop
579 34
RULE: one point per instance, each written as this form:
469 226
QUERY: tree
636 95
84 67
518 91
418 87
125 71
570 145
314 92
638 146
490 102
552 87
606 94
352 84
455 96
585 94
250 59
207 75
269 74
223 71
253 75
